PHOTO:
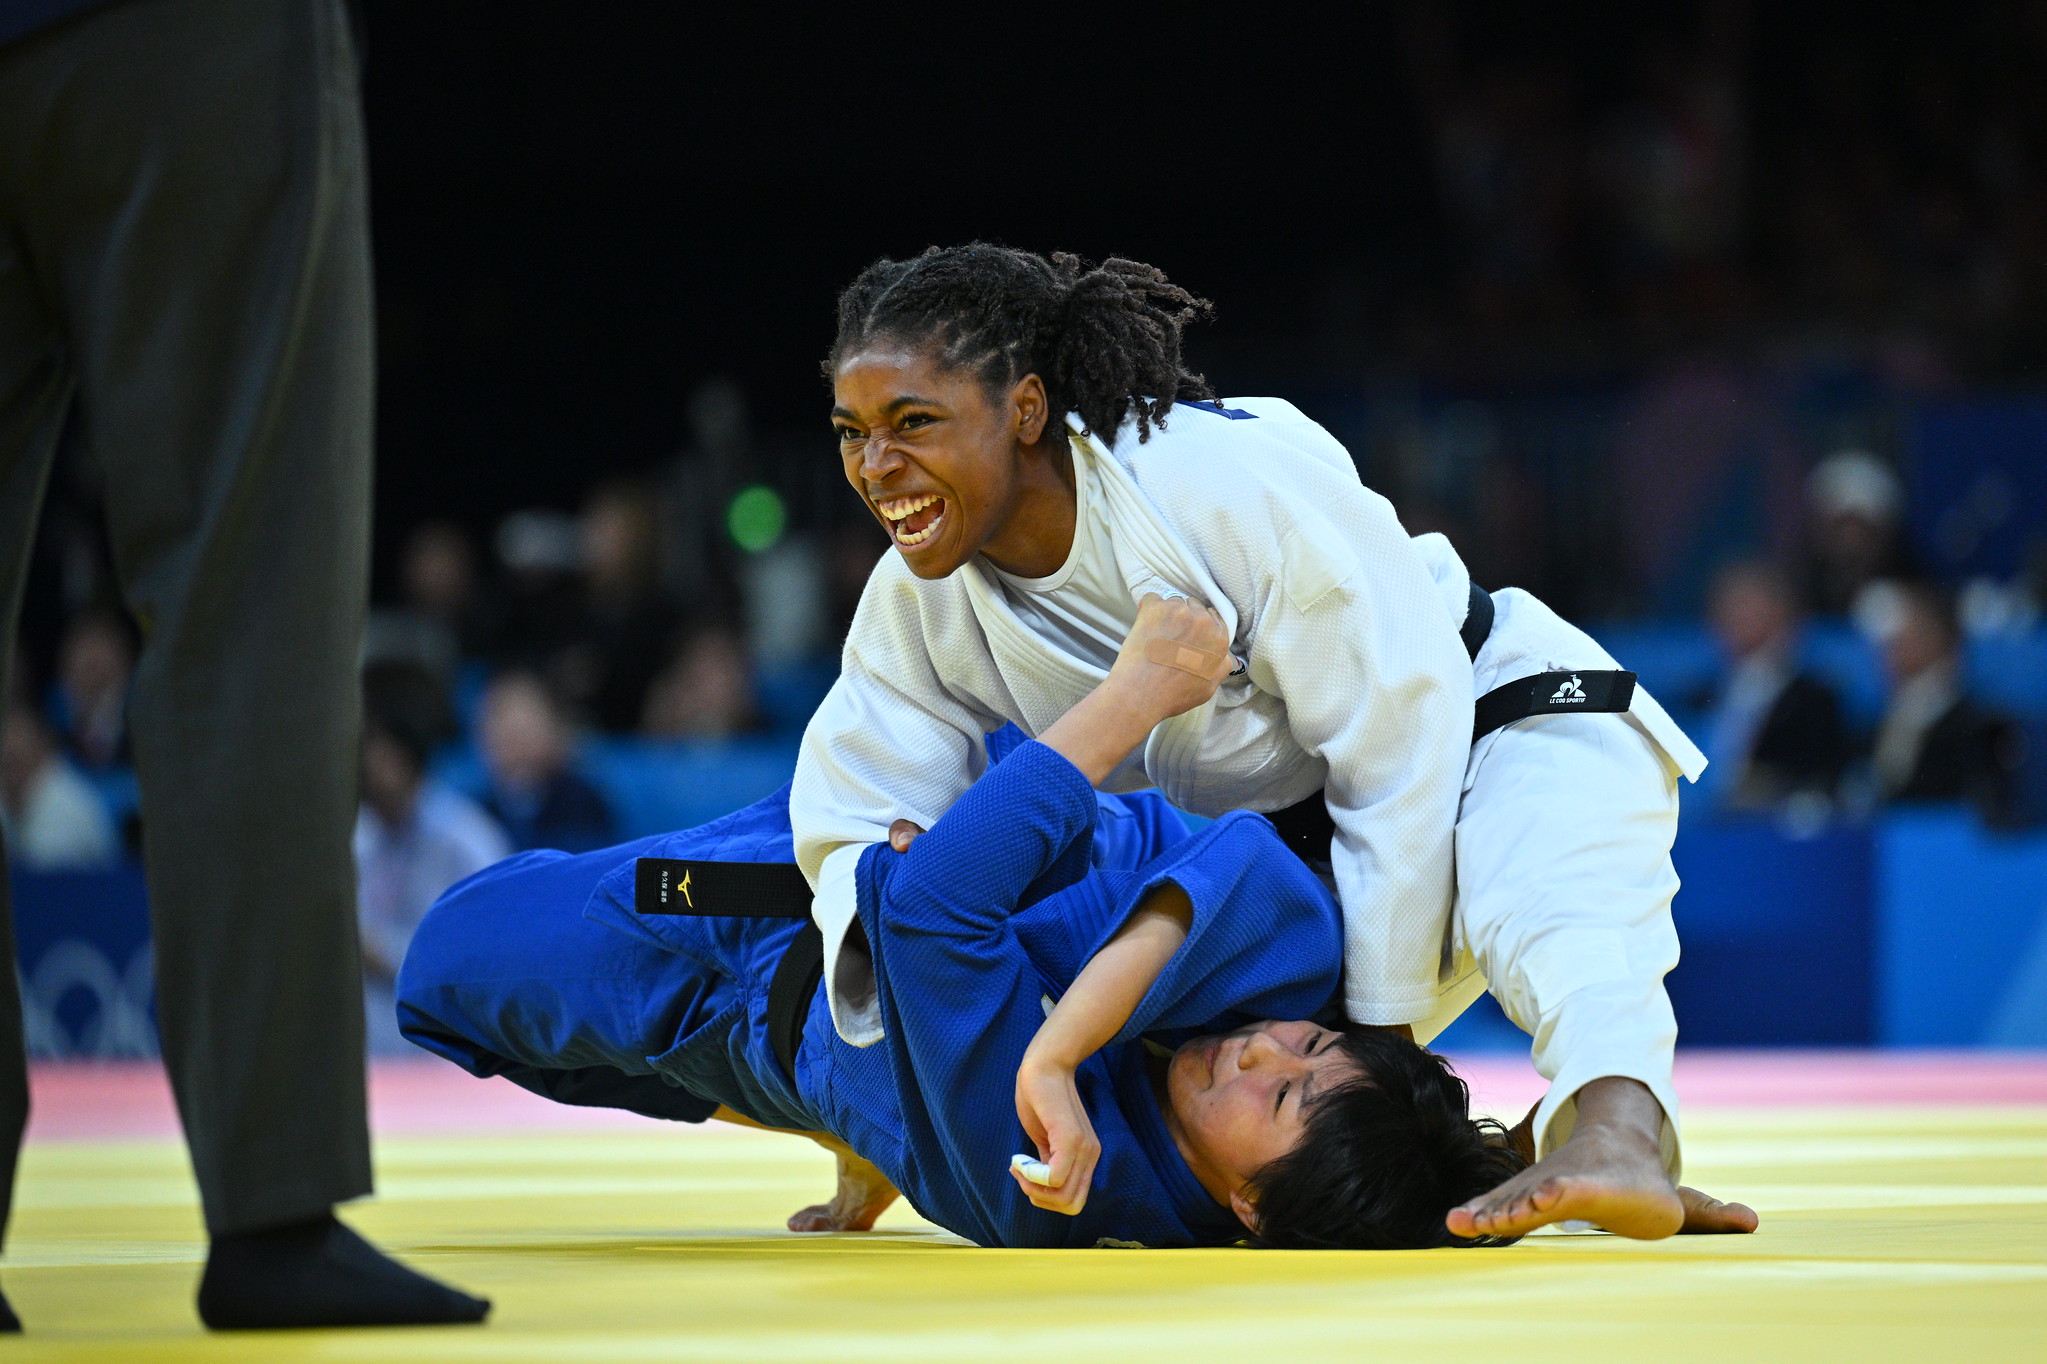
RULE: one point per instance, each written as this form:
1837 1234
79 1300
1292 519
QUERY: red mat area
97 1100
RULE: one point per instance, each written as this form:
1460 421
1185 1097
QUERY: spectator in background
437 575
540 553
53 818
95 662
1935 741
705 692
533 793
626 624
414 837
1775 731
442 618
1855 502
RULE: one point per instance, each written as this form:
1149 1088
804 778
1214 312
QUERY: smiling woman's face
1238 1101
948 469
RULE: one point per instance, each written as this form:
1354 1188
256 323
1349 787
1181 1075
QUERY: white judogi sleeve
890 742
1339 618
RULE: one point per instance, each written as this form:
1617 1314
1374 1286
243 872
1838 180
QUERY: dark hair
409 705
1384 1157
1105 340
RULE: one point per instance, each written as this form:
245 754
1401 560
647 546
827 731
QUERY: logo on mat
1571 691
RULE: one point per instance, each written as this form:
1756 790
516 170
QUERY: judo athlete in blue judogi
1212 1122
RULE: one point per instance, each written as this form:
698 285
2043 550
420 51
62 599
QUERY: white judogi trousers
1564 878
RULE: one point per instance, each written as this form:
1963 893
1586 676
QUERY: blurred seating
53 817
1937 740
530 785
1774 730
1677 660
414 836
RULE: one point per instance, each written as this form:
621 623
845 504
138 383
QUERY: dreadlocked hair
1383 1157
1105 340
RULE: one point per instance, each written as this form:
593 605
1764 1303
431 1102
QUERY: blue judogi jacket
973 934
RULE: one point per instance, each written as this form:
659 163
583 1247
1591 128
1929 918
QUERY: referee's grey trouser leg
35 391
186 180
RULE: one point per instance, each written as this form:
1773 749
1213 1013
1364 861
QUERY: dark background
580 215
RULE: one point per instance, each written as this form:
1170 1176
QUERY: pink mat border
81 1101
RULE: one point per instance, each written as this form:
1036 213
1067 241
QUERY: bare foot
1606 1174
864 1195
1708 1216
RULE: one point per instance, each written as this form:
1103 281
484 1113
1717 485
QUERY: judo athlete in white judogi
998 414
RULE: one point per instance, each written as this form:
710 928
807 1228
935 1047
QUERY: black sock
319 1273
9 1323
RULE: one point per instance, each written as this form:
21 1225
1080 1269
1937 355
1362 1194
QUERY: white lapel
1146 550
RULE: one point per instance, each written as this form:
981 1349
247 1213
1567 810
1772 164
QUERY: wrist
1102 730
1131 704
1047 1058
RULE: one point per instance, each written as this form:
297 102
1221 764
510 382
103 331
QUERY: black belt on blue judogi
746 890
1306 826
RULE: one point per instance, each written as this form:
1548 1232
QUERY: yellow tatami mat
1889 1232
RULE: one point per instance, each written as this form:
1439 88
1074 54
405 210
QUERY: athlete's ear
1032 411
1246 1211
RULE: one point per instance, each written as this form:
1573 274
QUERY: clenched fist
1176 655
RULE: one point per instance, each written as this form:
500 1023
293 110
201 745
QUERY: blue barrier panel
1677 663
656 788
83 944
1962 935
1776 935
2010 673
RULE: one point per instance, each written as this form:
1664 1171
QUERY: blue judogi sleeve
1265 941
1134 829
961 978
958 995
1130 830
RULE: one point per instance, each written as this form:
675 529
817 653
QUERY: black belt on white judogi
777 890
746 890
1307 827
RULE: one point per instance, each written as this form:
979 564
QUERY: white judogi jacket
1356 683
1562 824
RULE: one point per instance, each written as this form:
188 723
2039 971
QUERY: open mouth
913 520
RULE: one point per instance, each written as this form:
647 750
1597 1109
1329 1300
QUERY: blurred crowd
1729 168
566 682
1690 290
521 698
